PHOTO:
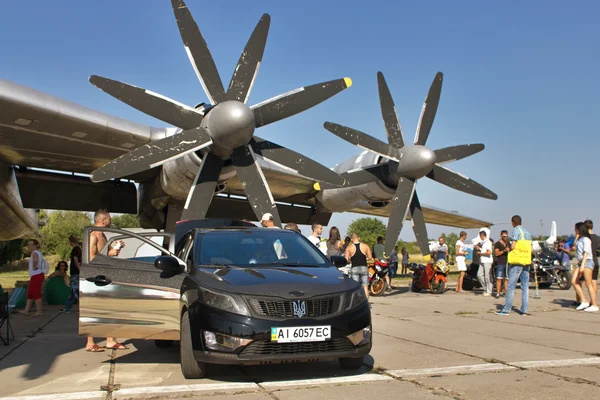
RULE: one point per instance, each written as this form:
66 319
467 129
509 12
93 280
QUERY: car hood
277 281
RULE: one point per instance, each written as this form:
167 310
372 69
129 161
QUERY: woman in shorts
461 252
36 278
585 263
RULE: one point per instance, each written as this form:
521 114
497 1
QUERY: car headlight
357 298
226 302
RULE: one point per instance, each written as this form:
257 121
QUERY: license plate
301 334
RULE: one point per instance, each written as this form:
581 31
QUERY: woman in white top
484 273
585 262
461 252
36 278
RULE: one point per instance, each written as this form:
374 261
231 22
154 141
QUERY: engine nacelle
15 221
373 194
177 176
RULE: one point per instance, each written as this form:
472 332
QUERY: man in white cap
267 221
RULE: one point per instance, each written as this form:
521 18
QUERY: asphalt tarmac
449 346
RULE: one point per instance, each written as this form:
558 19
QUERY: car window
251 247
135 249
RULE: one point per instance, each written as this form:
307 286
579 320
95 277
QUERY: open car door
125 296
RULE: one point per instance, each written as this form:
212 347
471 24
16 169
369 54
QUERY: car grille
268 348
284 309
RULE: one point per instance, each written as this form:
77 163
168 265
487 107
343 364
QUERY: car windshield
268 247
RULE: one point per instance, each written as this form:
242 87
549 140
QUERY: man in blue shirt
516 271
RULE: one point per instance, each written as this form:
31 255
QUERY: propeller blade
203 189
153 154
363 140
389 113
151 103
455 153
249 62
198 53
456 181
418 223
429 109
400 204
254 183
296 101
296 161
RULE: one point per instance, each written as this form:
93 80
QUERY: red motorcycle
431 276
378 270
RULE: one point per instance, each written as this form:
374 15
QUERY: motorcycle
378 271
432 276
549 270
545 265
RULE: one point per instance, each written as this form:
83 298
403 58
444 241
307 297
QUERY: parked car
230 294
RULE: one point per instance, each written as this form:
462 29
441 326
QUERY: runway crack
110 387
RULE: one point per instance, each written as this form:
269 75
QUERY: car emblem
298 293
299 308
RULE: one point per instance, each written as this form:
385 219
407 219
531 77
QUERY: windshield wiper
218 266
298 264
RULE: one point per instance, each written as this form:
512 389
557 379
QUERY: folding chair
16 297
5 319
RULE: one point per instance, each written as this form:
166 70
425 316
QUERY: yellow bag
521 254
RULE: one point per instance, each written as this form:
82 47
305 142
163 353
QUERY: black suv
231 295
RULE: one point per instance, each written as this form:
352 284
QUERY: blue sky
520 77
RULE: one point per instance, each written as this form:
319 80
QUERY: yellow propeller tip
348 82
317 186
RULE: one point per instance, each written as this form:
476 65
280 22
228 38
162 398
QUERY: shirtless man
98 241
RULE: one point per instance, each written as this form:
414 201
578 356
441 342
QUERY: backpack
45 265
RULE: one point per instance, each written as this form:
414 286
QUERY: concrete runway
425 346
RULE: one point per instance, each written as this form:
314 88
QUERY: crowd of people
505 262
494 263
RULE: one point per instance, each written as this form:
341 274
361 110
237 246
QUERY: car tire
190 368
351 363
163 344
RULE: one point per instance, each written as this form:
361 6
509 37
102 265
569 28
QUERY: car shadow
145 352
303 371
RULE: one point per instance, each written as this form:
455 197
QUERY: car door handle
99 280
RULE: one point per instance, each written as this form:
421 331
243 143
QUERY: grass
465 313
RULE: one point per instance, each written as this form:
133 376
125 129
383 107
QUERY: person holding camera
501 249
484 273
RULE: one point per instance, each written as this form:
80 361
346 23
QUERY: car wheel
190 368
163 344
351 363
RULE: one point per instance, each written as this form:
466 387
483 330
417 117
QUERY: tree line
54 235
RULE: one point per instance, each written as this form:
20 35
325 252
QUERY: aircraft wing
432 215
43 131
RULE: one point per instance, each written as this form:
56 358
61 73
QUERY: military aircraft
209 163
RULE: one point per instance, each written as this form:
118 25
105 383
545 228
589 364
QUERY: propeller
223 130
405 165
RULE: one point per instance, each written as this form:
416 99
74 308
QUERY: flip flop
118 346
94 349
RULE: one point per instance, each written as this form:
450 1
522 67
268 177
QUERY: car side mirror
169 265
339 261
